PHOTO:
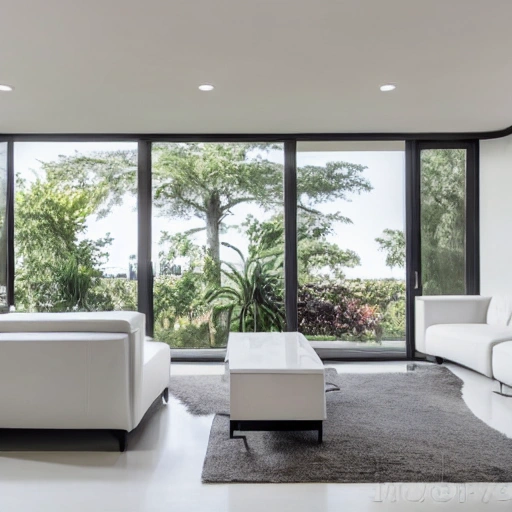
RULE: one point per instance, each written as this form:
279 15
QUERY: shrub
187 334
376 292
353 309
393 321
251 293
114 294
330 311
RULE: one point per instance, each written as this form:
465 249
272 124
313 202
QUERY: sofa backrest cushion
94 321
500 310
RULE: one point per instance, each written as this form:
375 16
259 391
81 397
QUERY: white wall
496 216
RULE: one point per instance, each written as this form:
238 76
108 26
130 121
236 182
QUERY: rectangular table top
272 352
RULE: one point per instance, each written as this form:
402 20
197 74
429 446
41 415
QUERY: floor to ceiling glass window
218 241
75 226
3 226
351 245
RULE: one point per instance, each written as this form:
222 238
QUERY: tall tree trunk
213 217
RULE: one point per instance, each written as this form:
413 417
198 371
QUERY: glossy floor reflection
162 469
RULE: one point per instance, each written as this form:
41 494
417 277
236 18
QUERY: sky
371 212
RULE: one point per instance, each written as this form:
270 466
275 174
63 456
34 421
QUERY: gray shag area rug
382 427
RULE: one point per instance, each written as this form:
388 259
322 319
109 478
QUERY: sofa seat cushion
467 344
502 362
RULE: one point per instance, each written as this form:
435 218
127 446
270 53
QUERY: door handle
416 280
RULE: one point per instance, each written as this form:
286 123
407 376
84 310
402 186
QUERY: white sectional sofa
473 331
79 371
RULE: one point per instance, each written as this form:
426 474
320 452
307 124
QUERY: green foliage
443 187
178 296
376 292
317 185
443 224
388 295
252 294
187 335
58 268
208 180
109 175
113 295
320 337
393 323
392 242
55 271
193 177
316 256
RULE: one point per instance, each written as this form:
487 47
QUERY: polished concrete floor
162 470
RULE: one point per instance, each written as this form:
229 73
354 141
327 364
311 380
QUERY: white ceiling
279 66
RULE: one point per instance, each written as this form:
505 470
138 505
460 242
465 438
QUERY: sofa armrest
447 309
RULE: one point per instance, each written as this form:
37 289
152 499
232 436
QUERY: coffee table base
276 426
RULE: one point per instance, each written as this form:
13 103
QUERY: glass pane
443 222
3 226
218 241
351 245
75 226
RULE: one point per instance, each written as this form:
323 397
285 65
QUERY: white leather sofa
79 371
473 331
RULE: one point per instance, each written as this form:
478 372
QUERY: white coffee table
277 382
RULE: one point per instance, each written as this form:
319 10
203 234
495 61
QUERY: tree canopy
207 181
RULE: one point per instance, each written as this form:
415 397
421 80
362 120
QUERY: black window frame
414 142
9 219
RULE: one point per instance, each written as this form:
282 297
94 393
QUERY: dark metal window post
473 218
144 264
412 238
10 223
290 235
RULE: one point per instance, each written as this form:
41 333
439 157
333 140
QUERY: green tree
55 270
207 181
314 251
443 223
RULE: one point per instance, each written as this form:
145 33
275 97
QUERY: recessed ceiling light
206 87
6 88
387 87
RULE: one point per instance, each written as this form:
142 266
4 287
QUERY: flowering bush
329 310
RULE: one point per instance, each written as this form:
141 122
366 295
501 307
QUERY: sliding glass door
443 219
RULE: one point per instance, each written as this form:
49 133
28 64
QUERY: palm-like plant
252 292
